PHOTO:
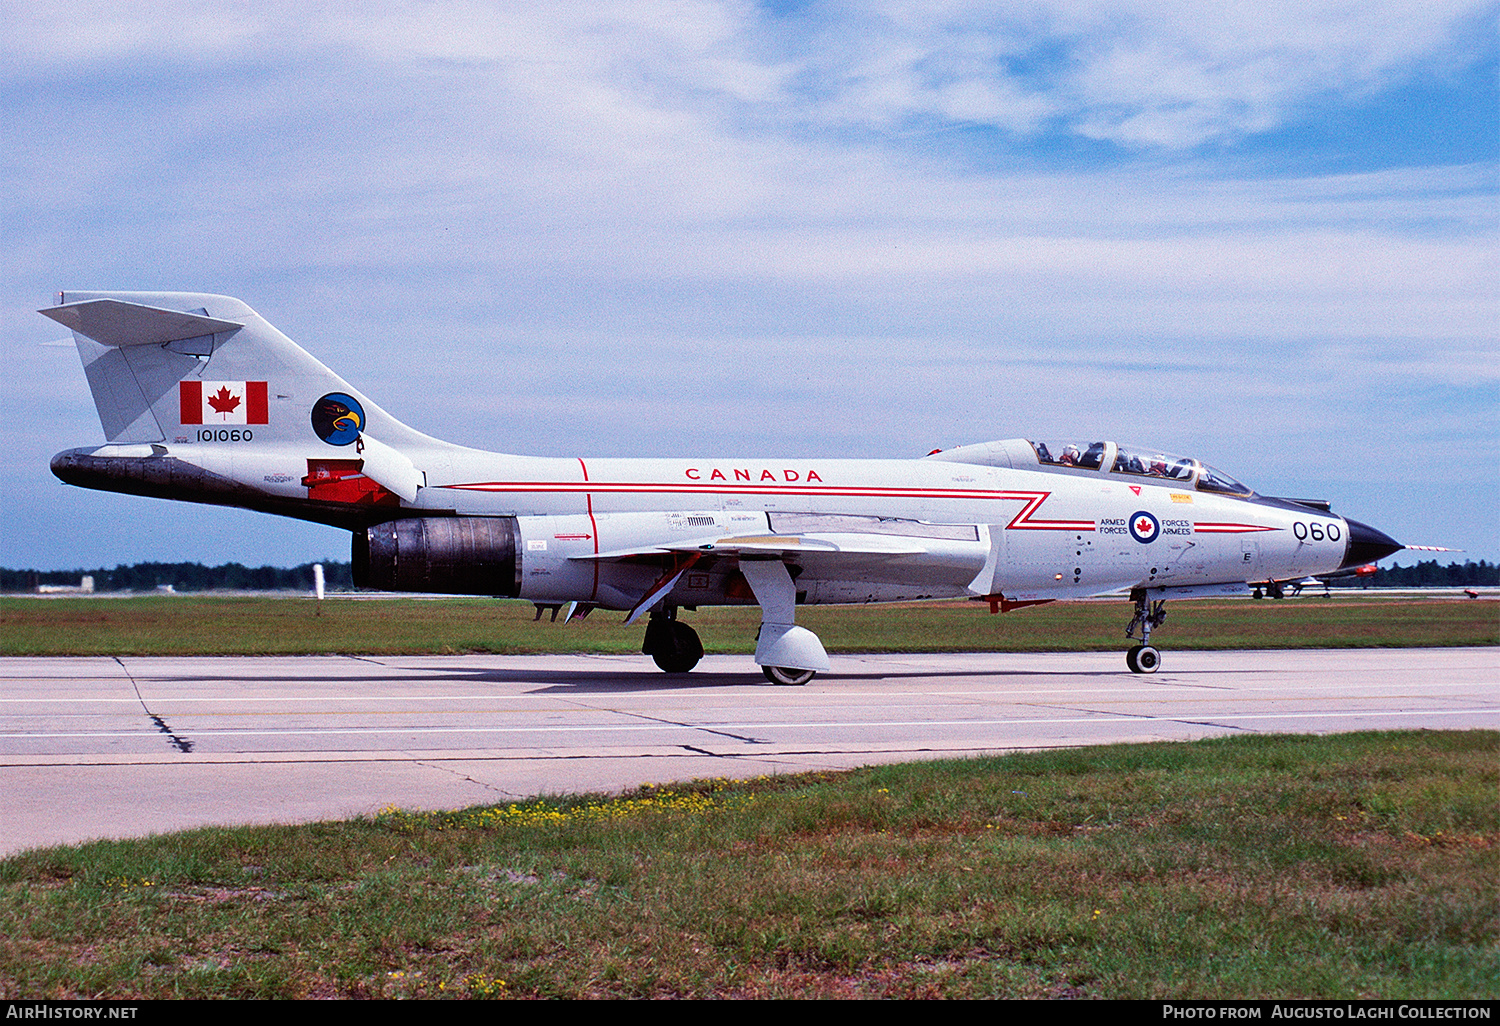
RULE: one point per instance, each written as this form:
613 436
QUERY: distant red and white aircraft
202 400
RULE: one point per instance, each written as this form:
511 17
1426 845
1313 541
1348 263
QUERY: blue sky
1263 235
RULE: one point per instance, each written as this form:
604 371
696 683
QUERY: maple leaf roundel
1144 527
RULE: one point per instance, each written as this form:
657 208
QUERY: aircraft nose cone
1366 545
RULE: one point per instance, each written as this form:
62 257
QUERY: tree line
337 576
185 577
1428 574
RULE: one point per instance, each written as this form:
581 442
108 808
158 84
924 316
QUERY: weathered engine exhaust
448 555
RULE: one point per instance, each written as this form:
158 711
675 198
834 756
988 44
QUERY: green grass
185 625
1358 865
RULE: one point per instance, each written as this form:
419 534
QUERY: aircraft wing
761 546
802 535
824 546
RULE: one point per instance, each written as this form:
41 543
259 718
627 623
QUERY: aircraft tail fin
168 366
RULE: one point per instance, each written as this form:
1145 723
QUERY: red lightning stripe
1203 528
1022 521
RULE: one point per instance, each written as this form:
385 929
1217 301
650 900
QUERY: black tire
787 676
682 649
1143 659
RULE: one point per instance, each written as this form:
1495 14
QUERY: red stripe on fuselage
588 499
1204 528
1020 522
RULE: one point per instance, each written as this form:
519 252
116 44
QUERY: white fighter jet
202 400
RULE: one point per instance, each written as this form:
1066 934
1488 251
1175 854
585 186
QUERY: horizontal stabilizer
112 322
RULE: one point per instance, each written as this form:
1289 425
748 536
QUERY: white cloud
1166 74
1155 73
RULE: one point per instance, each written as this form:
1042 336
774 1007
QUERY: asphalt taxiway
120 747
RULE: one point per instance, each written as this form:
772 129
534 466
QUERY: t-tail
183 381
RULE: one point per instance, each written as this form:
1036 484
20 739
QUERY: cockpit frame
1100 458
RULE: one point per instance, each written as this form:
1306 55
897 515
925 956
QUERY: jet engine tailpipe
446 555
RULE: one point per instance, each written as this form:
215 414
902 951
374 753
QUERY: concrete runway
121 747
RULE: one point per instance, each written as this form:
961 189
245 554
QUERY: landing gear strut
787 654
1143 658
674 645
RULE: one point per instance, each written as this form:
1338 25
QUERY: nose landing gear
1144 658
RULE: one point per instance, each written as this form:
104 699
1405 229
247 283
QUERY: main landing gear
1144 658
676 648
674 645
787 654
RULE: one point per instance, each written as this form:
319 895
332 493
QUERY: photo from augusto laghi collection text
1329 1010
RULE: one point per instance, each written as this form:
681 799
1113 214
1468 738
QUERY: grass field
1357 865
193 625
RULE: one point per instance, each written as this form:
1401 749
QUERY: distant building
83 587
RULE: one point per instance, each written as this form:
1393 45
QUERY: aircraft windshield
1212 480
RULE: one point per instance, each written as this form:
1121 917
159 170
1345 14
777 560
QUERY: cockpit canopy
1069 456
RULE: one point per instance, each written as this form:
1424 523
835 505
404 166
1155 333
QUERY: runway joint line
182 744
466 778
678 723
1151 717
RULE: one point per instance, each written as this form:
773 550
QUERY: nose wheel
1144 658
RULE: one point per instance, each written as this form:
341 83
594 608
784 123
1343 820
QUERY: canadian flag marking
223 402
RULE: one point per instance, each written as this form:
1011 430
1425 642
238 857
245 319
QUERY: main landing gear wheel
1143 659
675 647
787 675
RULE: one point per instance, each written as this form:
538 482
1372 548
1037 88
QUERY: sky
1261 235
